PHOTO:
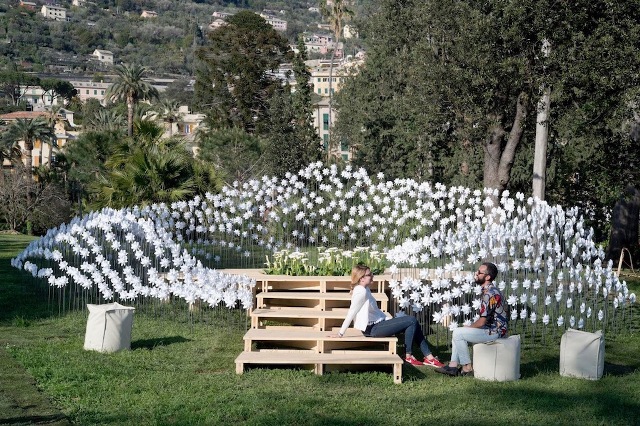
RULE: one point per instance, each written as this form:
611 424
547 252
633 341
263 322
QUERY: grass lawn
182 373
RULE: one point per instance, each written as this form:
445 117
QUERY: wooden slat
285 333
319 360
323 301
320 341
314 296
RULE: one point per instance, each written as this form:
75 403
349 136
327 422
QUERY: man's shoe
435 362
449 371
412 360
466 373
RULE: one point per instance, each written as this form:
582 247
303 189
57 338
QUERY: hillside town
325 75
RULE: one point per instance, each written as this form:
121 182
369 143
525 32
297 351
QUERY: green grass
182 373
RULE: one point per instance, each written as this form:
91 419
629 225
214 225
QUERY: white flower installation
433 236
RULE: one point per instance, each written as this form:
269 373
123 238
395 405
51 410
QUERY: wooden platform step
309 317
322 284
319 341
321 301
320 360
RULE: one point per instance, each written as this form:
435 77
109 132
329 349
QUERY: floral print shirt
492 308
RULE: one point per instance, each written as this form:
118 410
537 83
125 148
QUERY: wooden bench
319 361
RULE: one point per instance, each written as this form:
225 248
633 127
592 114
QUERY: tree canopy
449 89
234 83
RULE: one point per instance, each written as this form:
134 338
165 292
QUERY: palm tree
29 130
336 12
106 120
168 111
131 88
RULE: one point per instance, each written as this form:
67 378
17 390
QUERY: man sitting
491 325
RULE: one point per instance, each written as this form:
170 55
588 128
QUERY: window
95 92
325 139
319 91
345 157
87 91
344 146
319 80
102 92
326 90
325 122
187 128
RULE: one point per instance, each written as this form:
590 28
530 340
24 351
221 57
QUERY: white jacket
364 309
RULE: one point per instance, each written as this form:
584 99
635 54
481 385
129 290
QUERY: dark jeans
407 324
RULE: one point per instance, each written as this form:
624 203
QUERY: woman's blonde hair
358 272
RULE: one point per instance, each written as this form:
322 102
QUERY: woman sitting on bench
369 319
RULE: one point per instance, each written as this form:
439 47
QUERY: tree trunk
130 117
498 160
540 153
624 223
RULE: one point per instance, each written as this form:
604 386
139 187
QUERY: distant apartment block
91 90
79 3
277 23
43 151
322 44
148 14
323 122
104 56
55 13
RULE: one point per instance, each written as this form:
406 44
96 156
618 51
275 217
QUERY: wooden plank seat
319 361
321 301
318 341
308 317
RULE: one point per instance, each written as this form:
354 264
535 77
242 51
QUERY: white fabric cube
498 360
582 354
108 327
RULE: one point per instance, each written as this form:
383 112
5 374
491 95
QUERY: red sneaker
412 360
435 362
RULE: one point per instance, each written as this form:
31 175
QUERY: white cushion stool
498 360
108 327
582 354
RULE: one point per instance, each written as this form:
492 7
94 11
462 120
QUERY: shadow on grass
154 343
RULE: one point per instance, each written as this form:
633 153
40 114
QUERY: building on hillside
28 5
322 44
148 14
44 151
79 3
221 15
55 13
313 9
185 124
37 97
320 76
104 56
349 31
91 90
216 23
277 23
321 121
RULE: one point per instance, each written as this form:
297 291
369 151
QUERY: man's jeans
462 336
